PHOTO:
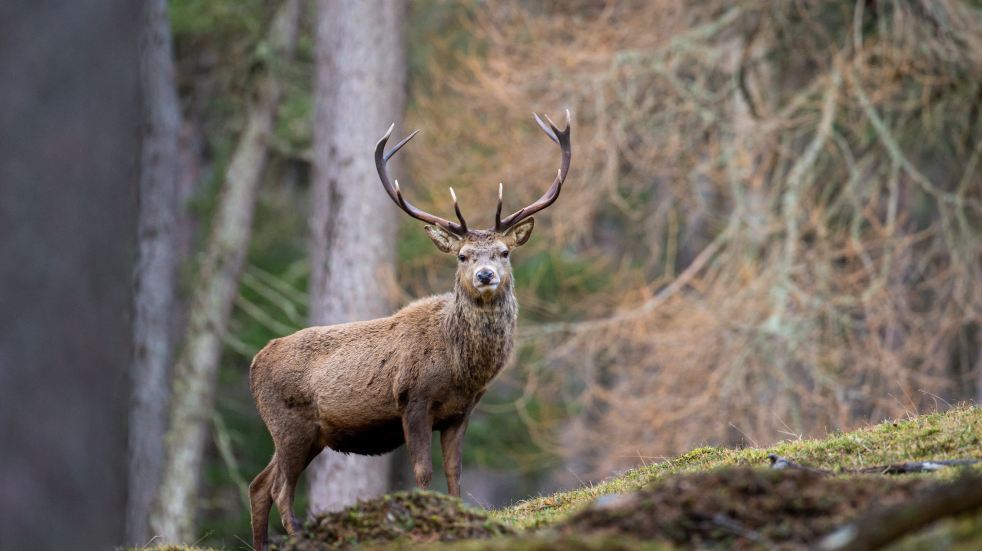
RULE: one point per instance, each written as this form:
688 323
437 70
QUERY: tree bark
359 91
69 165
154 300
196 369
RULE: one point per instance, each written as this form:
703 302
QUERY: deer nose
485 276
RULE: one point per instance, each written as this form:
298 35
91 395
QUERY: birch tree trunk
154 298
196 369
359 91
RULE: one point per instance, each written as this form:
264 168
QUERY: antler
381 158
561 137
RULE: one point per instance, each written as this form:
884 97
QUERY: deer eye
504 254
462 258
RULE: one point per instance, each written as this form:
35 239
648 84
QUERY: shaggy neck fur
480 334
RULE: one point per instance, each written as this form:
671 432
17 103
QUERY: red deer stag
366 387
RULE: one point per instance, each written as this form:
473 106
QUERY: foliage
782 202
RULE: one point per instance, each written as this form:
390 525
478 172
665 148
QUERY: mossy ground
955 434
742 508
402 517
707 498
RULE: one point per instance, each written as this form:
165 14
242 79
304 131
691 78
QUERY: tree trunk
69 165
196 369
359 91
155 278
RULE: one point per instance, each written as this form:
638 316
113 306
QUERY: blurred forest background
772 227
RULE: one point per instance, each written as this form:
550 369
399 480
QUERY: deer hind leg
261 500
292 457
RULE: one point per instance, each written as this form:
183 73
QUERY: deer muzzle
486 279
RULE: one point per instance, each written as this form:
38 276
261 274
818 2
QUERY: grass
553 521
954 434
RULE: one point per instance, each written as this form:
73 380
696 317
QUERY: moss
407 517
954 434
960 534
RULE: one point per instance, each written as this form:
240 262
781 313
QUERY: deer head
484 266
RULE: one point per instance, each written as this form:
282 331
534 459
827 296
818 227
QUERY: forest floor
709 498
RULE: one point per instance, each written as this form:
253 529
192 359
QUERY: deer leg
452 443
291 459
418 429
261 499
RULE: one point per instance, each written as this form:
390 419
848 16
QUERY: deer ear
520 233
444 240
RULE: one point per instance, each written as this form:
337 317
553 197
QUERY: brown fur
367 387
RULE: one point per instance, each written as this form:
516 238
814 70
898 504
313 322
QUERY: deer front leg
452 443
417 426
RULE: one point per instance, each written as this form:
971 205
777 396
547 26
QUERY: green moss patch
403 517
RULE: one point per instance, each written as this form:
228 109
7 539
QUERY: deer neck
480 334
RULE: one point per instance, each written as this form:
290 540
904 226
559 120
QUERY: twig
258 314
675 286
273 295
224 444
239 346
917 466
800 173
683 40
780 463
893 149
295 295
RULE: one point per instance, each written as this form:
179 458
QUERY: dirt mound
743 508
403 516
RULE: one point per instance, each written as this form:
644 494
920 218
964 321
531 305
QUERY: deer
368 387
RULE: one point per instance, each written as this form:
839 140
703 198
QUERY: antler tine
399 145
549 130
497 211
381 158
561 137
456 208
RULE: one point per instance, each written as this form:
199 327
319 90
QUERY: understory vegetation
710 497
